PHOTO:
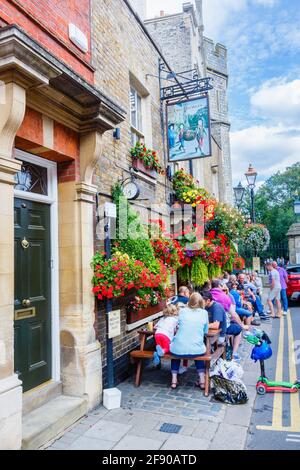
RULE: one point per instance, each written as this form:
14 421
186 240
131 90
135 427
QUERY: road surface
275 422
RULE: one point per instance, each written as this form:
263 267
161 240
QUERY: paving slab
89 443
156 435
205 430
120 416
108 431
239 415
80 428
59 446
177 442
229 437
132 442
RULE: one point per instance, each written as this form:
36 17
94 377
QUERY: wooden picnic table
211 339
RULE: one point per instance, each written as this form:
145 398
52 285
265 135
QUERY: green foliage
256 237
214 271
184 274
199 272
228 221
147 156
274 202
136 242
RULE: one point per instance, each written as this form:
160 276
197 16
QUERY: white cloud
216 23
266 117
278 101
269 149
266 3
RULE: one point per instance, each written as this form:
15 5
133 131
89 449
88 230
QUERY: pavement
275 421
202 423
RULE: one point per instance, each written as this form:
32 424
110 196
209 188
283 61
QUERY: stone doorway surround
294 243
51 201
30 75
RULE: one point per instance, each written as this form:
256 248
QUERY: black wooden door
32 293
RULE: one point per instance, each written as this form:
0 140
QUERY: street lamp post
239 192
251 176
297 209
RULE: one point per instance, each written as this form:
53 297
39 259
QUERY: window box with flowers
146 303
146 160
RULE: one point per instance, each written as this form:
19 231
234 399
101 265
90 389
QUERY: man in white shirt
275 292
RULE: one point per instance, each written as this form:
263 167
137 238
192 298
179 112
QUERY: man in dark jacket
182 298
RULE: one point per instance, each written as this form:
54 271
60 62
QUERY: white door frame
52 201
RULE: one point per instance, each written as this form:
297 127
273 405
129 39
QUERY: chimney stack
162 13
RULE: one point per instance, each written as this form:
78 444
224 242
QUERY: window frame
137 126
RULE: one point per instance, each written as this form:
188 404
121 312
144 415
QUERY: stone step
41 395
48 421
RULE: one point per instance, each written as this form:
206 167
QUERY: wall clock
131 190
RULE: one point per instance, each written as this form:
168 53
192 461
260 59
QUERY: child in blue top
189 340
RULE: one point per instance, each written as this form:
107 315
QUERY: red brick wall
47 22
66 141
32 127
66 145
68 171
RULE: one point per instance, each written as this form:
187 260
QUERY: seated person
219 294
256 280
243 313
189 340
165 331
181 300
220 320
251 296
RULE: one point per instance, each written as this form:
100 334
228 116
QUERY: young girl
164 332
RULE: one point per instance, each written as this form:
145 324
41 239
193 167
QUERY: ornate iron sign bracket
186 84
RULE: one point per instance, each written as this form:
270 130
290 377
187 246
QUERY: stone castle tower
181 39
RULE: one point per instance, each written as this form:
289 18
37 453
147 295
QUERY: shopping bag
229 391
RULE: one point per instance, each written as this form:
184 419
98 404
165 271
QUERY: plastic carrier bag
229 370
229 391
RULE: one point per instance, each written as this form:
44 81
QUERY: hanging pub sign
189 132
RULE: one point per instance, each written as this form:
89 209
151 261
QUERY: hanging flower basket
188 191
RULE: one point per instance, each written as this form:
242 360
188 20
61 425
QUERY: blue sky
263 41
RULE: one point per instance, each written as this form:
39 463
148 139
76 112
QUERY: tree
274 202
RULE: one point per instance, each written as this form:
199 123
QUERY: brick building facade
52 119
182 41
68 73
127 54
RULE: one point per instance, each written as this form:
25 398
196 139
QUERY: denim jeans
175 364
284 300
242 312
258 306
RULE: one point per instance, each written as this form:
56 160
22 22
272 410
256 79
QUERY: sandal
200 385
174 385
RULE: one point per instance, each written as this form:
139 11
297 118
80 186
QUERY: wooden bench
141 355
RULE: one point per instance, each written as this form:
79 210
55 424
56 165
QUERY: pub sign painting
189 134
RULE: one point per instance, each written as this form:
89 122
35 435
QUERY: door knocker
25 244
